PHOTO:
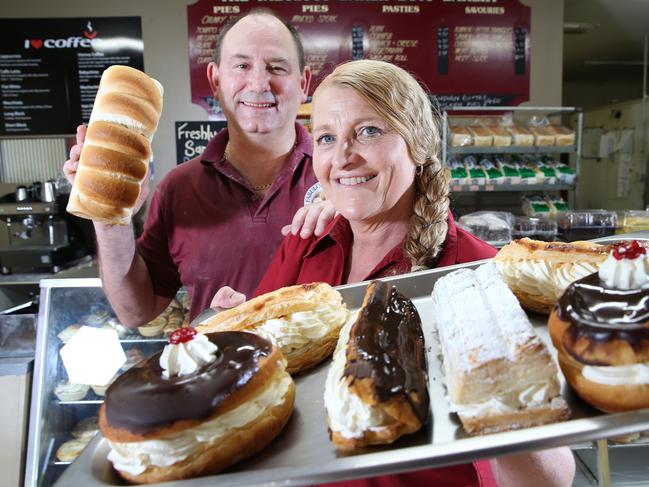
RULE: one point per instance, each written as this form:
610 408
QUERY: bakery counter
303 454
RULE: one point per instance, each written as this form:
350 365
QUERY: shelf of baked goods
546 149
472 188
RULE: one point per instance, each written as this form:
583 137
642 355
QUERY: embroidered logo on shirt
314 194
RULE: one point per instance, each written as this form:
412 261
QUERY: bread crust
240 443
281 303
114 158
608 398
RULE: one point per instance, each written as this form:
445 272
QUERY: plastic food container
633 221
587 224
534 228
494 227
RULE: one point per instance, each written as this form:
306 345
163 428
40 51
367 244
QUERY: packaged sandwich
459 174
477 174
535 205
509 169
565 173
494 174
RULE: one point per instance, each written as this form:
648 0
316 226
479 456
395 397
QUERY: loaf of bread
543 135
481 135
115 154
502 138
498 372
563 135
520 135
459 136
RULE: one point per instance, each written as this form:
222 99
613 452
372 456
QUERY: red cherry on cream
182 335
628 250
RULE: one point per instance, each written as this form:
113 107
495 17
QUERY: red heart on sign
90 35
36 43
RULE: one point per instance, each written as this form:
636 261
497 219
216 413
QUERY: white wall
166 56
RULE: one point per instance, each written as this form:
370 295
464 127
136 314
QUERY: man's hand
72 164
311 220
226 297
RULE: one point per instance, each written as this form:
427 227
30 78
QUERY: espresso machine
37 234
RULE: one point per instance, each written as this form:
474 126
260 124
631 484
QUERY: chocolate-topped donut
602 319
600 328
142 400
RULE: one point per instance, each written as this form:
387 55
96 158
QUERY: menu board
50 69
466 53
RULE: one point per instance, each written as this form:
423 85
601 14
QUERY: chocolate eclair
202 404
600 328
377 385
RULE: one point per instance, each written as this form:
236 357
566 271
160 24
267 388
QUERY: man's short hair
261 11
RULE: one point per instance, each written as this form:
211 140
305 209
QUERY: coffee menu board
50 69
467 53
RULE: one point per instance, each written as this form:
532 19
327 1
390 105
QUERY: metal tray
303 454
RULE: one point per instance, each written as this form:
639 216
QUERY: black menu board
50 69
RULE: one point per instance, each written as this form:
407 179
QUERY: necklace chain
261 187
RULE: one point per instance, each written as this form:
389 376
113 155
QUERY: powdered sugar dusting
463 302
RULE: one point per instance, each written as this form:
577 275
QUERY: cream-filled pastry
304 321
538 272
499 374
600 328
377 386
202 404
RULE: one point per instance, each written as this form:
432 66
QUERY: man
216 220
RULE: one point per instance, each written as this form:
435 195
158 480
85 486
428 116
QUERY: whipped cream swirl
626 273
185 358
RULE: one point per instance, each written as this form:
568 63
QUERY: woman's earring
420 170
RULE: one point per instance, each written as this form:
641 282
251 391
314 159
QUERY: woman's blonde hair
401 101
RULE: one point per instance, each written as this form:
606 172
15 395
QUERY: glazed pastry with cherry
600 328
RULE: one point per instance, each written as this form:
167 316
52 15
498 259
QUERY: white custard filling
134 457
617 375
539 278
297 331
348 414
535 395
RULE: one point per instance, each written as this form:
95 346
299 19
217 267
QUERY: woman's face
363 165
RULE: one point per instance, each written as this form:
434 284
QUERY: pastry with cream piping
377 386
538 272
600 328
202 404
303 320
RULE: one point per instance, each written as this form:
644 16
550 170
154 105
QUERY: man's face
258 81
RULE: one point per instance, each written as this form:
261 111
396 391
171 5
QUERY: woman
375 154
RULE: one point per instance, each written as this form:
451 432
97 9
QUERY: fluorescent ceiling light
579 27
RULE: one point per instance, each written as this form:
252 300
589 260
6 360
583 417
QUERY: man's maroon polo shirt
300 261
206 228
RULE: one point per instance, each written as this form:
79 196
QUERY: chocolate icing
142 401
601 314
389 348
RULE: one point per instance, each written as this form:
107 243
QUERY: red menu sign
466 52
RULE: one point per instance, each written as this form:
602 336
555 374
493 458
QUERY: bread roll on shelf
115 154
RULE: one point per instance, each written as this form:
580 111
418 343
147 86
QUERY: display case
62 419
536 148
303 454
